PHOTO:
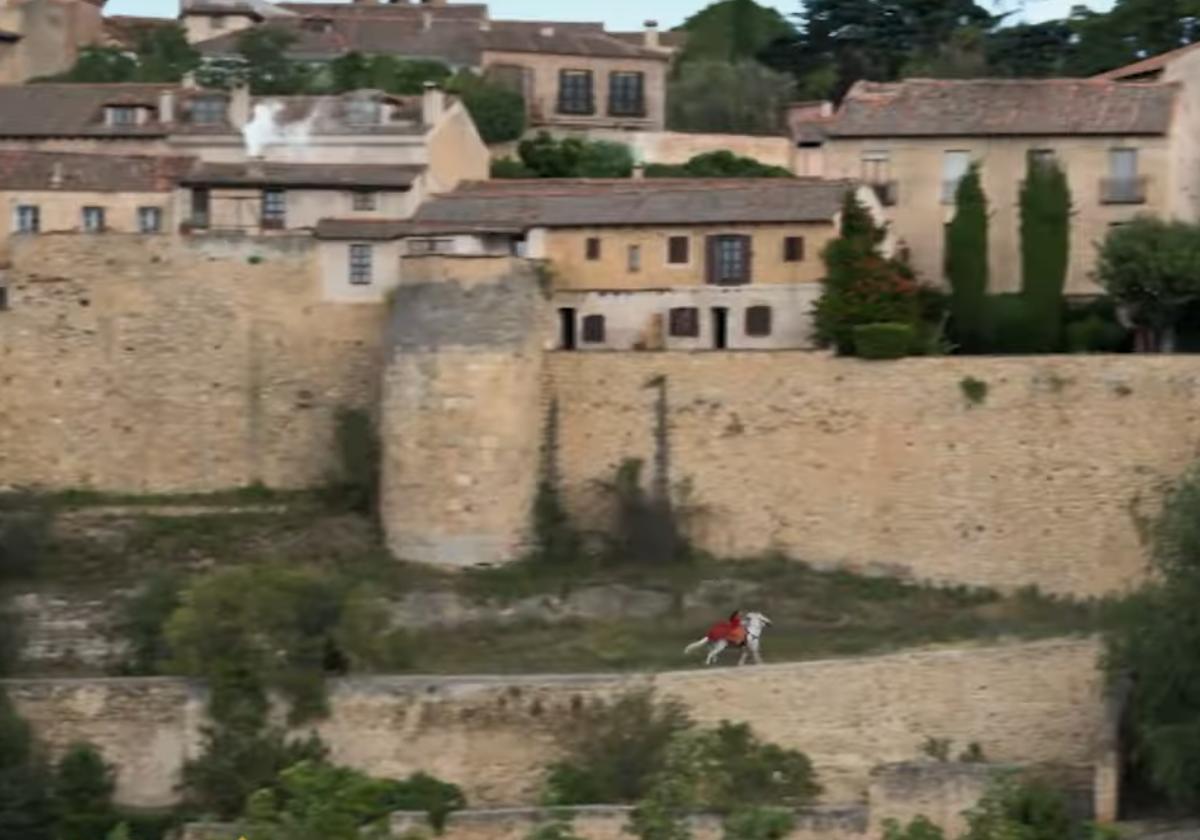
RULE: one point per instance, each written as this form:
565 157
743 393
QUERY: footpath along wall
1028 703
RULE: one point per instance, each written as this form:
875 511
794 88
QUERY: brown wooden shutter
710 260
748 244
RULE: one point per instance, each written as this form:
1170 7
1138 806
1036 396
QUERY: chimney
166 107
427 21
239 105
650 37
639 171
189 81
547 31
433 103
56 175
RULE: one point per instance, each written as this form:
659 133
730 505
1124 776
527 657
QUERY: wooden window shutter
748 245
710 260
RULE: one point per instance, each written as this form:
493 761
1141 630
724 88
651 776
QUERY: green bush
24 543
884 341
1016 808
1045 252
509 168
1094 334
356 485
143 622
613 749
759 824
82 790
1009 325
718 164
919 829
26 808
975 390
557 829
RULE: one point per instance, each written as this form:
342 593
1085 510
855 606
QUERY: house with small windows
1119 143
65 192
634 264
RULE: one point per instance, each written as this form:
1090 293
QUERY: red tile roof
1012 107
72 172
315 176
69 110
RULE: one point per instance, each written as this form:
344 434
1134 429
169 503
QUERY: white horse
754 623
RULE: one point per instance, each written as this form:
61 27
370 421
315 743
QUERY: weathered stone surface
75 633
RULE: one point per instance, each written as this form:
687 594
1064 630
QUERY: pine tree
1045 251
967 261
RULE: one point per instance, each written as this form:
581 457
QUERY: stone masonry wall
890 467
1037 702
461 421
159 364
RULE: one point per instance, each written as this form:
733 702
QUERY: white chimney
650 37
166 106
433 103
639 171
427 21
189 81
239 105
547 31
56 175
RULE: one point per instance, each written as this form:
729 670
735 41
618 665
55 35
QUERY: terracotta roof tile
65 171
987 107
68 110
586 203
385 229
316 176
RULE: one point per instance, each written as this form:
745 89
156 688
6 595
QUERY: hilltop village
389 392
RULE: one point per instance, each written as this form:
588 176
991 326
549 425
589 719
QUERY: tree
719 164
1149 266
1045 251
26 812
498 111
82 790
732 31
261 62
162 54
1021 809
967 261
545 156
728 98
355 71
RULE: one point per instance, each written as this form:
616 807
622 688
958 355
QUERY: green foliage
355 71
262 62
759 823
498 111
1045 251
356 486
24 539
82 790
719 164
1148 266
313 800
571 157
967 261
26 808
1009 325
557 829
720 97
143 619
860 285
612 750
1015 809
920 828
732 30
508 168
646 528
162 54
883 341
975 390
120 831
937 748
556 540
100 65
1094 334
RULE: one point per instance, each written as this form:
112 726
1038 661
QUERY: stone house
634 264
43 37
572 75
913 140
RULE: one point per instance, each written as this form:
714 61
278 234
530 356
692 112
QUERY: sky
628 14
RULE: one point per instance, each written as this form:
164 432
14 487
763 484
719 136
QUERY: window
1123 185
150 219
274 208
625 95
208 110
3 298
360 265
93 219
1040 158
678 250
592 248
364 200
758 321
28 218
685 322
793 249
363 112
575 92
593 329
635 258
122 115
200 208
430 246
876 167
728 260
954 167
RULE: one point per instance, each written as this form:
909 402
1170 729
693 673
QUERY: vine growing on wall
556 540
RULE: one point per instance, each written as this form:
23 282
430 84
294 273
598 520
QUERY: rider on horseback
732 631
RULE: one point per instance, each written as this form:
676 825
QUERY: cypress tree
1045 250
967 261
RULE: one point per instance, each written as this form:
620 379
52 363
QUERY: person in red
732 631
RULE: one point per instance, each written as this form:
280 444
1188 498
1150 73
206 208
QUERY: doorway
566 329
720 328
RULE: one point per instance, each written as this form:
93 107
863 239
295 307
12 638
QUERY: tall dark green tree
83 789
733 30
1045 251
967 261
26 812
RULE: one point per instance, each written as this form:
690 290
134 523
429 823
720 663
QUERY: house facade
912 141
43 37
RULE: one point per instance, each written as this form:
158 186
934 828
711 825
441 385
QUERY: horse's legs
755 653
744 656
714 652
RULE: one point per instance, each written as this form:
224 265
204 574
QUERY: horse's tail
695 645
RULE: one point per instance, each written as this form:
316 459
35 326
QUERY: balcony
1123 190
888 192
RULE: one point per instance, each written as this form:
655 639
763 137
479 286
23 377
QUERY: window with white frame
150 220
360 264
876 166
635 258
208 110
93 219
27 218
122 115
274 208
955 165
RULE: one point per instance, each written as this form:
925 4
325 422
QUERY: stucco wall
154 364
1036 702
62 211
889 467
919 215
456 152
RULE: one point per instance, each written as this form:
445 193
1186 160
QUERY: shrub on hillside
26 808
545 156
920 828
82 788
884 341
1028 809
759 824
497 111
718 164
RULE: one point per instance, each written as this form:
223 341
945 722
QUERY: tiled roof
667 201
986 107
674 39
258 9
316 176
68 110
459 42
64 171
385 229
455 11
1152 66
